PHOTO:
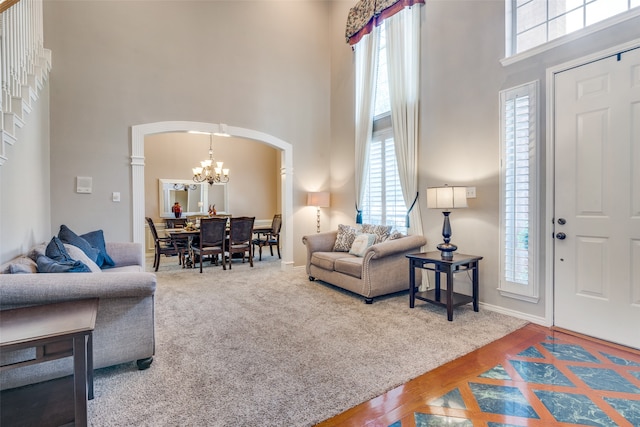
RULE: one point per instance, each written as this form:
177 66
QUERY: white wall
24 184
256 65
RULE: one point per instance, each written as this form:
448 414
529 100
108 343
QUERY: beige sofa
383 269
124 329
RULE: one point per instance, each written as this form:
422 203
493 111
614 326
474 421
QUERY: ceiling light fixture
207 172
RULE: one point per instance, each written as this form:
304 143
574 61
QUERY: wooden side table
55 331
434 262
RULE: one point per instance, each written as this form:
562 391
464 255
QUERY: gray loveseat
383 269
124 329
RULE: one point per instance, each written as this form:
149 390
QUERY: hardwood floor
533 377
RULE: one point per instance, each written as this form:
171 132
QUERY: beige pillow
345 238
78 254
361 243
21 264
381 231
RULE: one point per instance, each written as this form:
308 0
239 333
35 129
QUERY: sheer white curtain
366 52
403 53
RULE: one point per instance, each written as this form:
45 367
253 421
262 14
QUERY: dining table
182 239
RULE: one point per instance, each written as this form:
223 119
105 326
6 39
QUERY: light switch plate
115 196
471 192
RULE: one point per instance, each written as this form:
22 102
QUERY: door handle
561 236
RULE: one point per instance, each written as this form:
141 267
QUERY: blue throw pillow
96 239
48 265
56 251
68 236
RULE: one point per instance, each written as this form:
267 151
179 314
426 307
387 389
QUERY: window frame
531 291
510 27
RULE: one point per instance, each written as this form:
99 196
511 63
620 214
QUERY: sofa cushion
362 243
344 239
96 239
351 265
381 231
67 236
326 260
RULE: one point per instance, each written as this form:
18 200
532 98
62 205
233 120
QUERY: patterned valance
368 13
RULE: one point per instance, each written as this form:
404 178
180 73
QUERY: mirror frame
164 208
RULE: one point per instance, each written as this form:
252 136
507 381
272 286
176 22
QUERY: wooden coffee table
54 331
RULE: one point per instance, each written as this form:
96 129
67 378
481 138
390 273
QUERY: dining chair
213 233
163 245
269 237
240 234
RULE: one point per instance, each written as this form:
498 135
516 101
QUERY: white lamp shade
319 199
446 197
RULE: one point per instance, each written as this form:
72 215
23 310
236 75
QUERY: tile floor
559 380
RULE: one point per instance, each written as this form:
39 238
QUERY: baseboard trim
518 314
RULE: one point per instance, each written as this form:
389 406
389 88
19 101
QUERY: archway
138 134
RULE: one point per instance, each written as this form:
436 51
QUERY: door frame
550 163
138 133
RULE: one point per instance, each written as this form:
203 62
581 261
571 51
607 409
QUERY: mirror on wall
195 198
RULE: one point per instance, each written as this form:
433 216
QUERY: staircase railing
24 64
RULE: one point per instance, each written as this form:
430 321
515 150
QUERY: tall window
535 22
518 196
383 202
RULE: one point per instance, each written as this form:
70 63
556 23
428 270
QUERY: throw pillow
21 264
381 231
56 251
76 254
345 238
96 239
395 235
48 265
361 243
67 236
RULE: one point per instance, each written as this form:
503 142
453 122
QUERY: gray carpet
262 347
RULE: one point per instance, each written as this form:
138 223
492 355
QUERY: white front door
597 199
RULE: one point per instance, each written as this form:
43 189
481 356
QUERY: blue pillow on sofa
67 236
56 259
96 239
48 265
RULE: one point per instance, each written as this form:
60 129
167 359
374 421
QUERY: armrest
125 253
18 290
396 246
320 242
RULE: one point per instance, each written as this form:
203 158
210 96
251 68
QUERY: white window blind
518 198
383 202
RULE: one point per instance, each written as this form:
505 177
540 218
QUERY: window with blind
518 195
383 202
536 22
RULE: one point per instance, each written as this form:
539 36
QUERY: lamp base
447 250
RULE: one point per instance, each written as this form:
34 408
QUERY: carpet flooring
264 347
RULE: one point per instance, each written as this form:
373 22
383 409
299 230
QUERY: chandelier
207 172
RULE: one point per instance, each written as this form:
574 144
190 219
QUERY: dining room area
210 201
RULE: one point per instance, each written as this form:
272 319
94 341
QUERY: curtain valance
368 13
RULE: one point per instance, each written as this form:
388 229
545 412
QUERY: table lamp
446 198
319 200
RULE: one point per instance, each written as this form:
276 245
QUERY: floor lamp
319 200
446 198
